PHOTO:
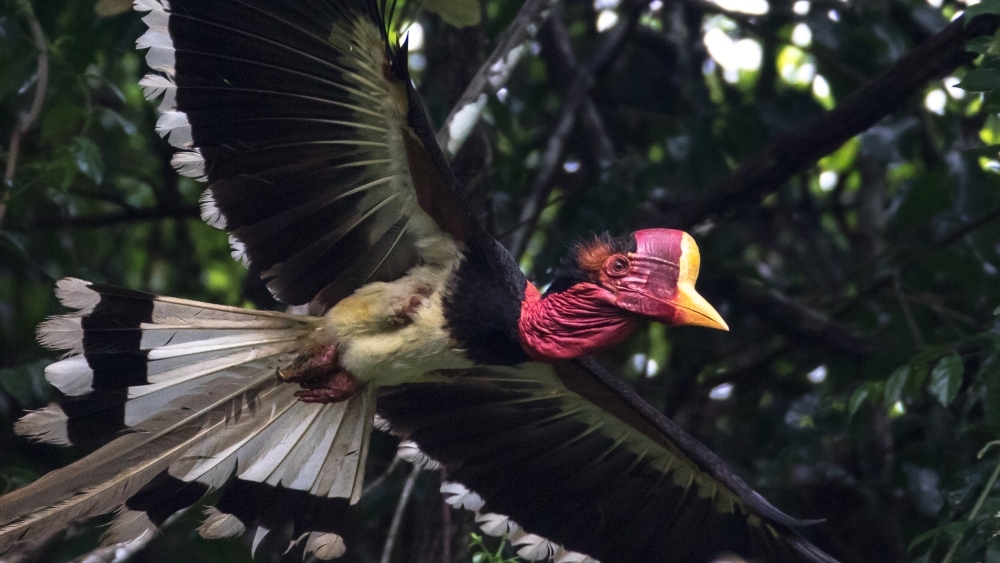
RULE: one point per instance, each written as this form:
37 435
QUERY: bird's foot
331 388
322 380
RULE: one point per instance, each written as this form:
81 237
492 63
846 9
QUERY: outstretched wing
302 118
575 458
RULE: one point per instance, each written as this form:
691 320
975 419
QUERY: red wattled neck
571 323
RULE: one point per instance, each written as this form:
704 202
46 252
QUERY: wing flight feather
317 151
561 459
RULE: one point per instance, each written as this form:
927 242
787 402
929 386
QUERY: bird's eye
616 266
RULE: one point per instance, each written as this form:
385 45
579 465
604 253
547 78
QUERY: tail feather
184 397
104 480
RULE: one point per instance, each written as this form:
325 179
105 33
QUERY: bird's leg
320 376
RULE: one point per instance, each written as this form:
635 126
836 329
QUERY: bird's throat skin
572 323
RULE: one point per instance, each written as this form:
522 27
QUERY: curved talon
322 380
333 388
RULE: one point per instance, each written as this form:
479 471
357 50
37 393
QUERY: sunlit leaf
946 379
108 8
843 158
459 13
894 386
858 398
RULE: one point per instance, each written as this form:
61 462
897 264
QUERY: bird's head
607 285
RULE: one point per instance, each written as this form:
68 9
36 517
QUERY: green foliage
459 13
480 553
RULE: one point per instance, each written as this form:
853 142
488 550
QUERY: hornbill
320 163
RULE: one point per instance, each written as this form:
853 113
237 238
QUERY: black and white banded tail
183 399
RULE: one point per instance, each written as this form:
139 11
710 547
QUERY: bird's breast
393 333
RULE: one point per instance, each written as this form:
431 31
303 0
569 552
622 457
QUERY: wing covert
302 119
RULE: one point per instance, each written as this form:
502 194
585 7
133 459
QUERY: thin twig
808 323
897 287
27 119
492 76
967 228
979 502
563 66
397 517
446 532
553 155
132 215
381 478
914 254
118 552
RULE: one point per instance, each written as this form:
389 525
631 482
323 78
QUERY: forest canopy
838 162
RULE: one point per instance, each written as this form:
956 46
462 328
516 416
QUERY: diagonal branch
563 66
492 75
397 517
131 215
576 94
801 148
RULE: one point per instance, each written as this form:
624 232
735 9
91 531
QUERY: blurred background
837 162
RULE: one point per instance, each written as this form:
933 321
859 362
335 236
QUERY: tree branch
27 119
492 76
563 66
803 321
577 92
117 552
132 215
397 517
801 148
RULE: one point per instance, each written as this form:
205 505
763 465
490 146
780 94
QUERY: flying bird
321 165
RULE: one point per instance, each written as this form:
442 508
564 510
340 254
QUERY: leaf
459 13
87 158
108 8
981 80
15 241
989 151
926 198
957 529
924 538
894 386
861 394
920 369
843 158
946 379
23 381
984 7
979 45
